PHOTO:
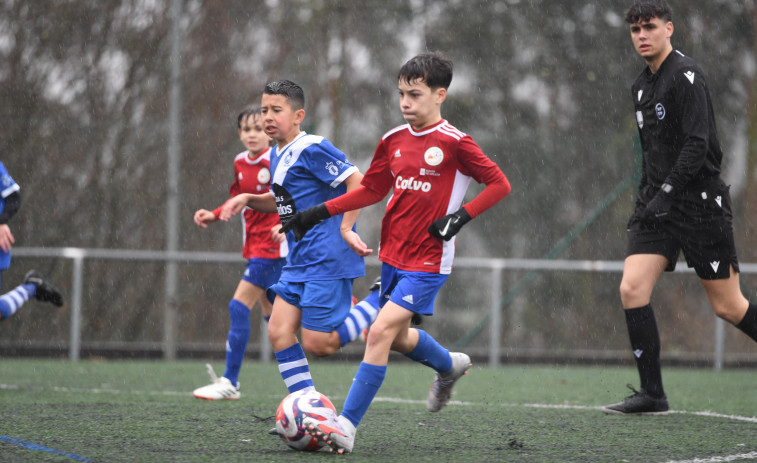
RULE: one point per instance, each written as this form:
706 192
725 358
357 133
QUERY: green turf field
142 411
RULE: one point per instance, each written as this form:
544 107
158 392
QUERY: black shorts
700 224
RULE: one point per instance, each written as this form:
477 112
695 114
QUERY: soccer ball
293 409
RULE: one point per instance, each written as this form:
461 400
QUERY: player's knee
629 293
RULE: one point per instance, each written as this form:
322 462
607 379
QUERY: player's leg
416 292
361 316
282 333
35 285
339 433
258 275
640 275
325 306
729 303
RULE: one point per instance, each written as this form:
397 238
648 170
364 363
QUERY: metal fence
492 322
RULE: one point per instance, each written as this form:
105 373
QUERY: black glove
448 226
658 208
303 221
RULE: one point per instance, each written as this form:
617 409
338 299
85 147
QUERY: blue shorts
264 273
324 303
414 291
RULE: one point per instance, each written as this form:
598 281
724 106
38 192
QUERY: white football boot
220 389
441 389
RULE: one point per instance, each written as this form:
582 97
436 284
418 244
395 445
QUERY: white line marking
738 456
750 419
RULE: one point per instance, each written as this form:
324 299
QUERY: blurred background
119 121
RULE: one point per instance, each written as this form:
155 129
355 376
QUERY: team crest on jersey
264 175
433 156
332 168
640 119
660 110
288 159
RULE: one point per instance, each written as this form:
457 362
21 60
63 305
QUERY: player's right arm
263 202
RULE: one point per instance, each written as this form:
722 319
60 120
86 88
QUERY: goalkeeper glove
303 221
448 226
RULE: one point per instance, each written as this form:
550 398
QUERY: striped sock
11 301
294 369
360 317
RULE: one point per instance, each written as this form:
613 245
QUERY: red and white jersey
254 176
428 173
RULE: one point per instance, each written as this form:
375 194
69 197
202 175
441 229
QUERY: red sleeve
358 198
491 195
483 170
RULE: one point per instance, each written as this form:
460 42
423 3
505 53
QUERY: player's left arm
692 101
483 170
691 98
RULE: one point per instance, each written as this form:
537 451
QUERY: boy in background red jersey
264 248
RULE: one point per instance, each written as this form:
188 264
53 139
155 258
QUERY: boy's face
651 38
280 121
252 135
420 105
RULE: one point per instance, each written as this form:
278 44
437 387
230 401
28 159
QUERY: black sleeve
12 205
693 103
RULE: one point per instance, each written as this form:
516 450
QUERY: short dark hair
293 92
247 112
434 68
644 10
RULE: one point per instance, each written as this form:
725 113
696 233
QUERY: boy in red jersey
264 248
427 164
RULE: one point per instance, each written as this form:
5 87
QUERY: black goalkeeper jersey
676 124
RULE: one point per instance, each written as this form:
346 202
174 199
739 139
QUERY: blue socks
11 301
294 369
431 353
366 384
359 318
236 344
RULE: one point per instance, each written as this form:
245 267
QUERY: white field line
105 390
736 457
717 459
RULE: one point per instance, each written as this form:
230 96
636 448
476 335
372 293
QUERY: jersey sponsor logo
690 75
264 175
412 184
660 111
640 119
433 156
430 172
284 203
332 168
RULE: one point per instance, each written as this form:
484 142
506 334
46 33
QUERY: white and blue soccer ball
293 409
